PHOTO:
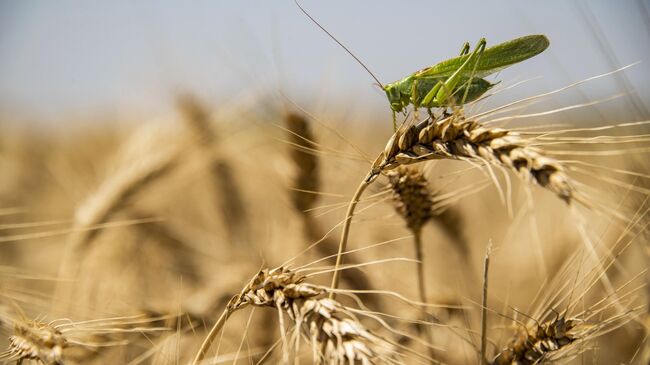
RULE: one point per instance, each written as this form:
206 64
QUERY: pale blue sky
65 57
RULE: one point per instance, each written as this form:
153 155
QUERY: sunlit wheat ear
549 336
63 341
335 335
197 118
306 173
33 340
459 138
228 195
140 162
534 344
562 336
411 196
169 242
336 338
305 193
139 167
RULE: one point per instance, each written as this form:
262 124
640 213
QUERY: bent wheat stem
207 343
346 231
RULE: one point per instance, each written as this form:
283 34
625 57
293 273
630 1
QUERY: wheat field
207 240
264 229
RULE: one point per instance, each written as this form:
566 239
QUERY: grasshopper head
394 97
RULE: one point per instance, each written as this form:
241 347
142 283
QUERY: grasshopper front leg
430 99
394 121
414 98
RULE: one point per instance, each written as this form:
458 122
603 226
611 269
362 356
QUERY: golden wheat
534 345
459 138
33 340
336 336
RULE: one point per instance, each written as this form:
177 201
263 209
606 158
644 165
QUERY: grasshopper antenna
339 43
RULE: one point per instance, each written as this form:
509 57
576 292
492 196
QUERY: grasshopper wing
492 59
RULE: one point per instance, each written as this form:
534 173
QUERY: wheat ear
532 345
114 193
457 138
228 195
33 340
304 196
412 200
335 335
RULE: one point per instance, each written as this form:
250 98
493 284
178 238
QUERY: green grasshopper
440 86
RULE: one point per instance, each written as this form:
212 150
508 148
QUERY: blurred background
72 59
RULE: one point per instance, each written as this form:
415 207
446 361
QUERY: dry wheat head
33 340
411 196
456 137
306 177
533 345
336 336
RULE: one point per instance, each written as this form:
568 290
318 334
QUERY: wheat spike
33 340
139 169
456 137
411 197
306 184
340 338
226 189
306 177
412 200
336 336
535 344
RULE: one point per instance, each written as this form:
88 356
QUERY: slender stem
207 343
486 266
346 231
423 329
417 240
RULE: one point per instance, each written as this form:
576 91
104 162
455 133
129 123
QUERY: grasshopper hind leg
478 51
465 49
